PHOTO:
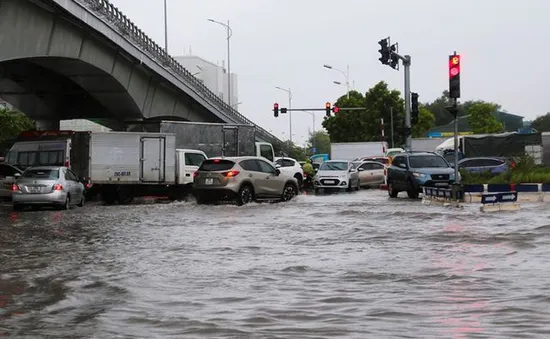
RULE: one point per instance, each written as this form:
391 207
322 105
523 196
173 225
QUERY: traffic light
384 51
414 108
327 109
394 60
454 76
276 109
335 109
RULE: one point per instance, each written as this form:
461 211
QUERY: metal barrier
444 193
129 29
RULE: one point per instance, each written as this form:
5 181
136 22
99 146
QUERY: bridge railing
128 28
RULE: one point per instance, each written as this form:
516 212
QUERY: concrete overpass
84 59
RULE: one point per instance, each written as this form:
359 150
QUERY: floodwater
355 265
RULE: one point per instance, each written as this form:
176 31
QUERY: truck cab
265 149
188 162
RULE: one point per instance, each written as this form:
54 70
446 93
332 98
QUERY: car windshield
41 174
216 165
427 161
334 166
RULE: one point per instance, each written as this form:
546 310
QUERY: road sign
493 198
314 150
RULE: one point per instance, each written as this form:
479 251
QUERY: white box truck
117 165
354 150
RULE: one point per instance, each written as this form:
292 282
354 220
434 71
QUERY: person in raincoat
308 169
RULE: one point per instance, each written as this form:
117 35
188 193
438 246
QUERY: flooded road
339 266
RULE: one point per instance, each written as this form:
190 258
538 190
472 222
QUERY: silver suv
241 179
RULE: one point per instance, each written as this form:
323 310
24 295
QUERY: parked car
243 180
386 161
493 165
8 175
336 174
292 167
54 186
371 173
411 171
393 151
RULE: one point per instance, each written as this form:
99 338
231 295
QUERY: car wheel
289 192
412 192
392 192
81 203
245 195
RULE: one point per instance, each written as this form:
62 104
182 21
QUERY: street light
289 107
346 75
199 72
165 28
313 133
229 34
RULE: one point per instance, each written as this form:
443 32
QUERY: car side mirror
17 175
277 171
278 166
360 169
403 166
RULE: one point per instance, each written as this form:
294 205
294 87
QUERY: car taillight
195 174
57 187
14 188
230 174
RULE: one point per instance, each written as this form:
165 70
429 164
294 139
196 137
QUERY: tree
482 119
12 123
426 120
321 141
542 123
364 125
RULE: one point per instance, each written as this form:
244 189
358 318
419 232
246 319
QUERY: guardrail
129 29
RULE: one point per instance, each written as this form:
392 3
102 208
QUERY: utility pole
391 121
454 93
165 28
390 56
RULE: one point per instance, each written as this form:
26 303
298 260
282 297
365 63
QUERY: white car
337 174
290 167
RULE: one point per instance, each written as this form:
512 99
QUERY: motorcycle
308 181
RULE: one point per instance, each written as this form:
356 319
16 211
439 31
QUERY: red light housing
275 106
454 65
57 187
335 109
230 174
15 188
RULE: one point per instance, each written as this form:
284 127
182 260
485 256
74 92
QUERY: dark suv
411 171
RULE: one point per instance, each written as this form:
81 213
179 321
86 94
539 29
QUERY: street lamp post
313 132
346 75
229 34
289 92
165 28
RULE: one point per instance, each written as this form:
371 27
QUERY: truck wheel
246 195
412 192
125 195
108 194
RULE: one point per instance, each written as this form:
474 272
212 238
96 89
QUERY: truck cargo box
124 157
214 139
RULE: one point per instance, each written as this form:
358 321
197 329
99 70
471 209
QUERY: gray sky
286 42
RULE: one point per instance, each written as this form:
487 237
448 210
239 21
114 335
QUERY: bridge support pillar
47 125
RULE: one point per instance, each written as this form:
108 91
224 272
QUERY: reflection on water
346 265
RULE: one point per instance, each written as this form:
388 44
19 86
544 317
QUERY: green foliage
542 123
482 119
320 140
289 149
12 123
426 120
364 125
442 116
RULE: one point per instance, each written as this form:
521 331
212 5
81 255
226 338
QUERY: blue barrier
498 188
527 188
474 188
545 187
494 198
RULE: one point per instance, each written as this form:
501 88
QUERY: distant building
5 104
213 76
80 125
511 123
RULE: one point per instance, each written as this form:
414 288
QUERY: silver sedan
47 186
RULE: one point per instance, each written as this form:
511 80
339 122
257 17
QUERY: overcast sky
286 42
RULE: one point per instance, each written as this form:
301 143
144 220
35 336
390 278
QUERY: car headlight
419 175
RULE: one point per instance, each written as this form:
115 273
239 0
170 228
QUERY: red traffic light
275 106
454 65
335 109
327 105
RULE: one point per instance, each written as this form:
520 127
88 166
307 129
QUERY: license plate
441 184
209 181
330 182
34 189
